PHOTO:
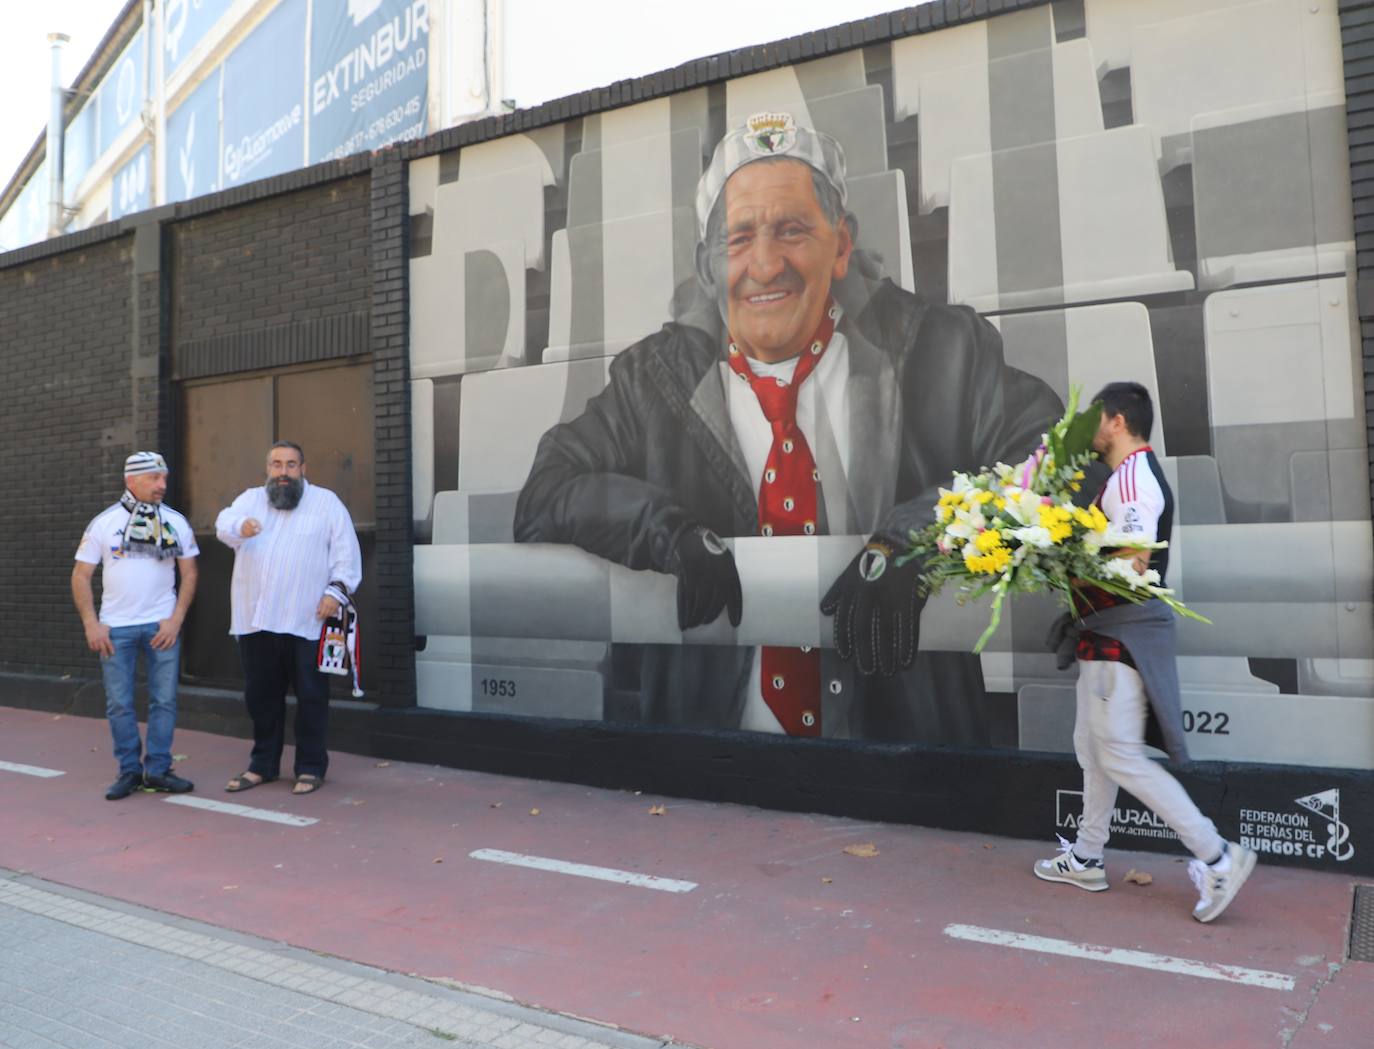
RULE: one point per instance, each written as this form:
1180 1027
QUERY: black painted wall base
1012 794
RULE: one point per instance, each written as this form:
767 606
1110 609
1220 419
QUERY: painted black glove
877 608
707 580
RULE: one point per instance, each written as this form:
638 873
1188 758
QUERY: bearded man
296 562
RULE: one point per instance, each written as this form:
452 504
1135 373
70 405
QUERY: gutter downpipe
56 211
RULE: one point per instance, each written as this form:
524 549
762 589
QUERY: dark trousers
271 663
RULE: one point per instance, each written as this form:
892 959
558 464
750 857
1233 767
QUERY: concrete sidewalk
709 925
80 970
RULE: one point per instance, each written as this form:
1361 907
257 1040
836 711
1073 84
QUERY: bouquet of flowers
1016 529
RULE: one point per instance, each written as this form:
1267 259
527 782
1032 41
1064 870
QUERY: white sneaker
1217 885
1067 867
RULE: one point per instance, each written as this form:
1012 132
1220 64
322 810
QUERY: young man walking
1127 678
136 542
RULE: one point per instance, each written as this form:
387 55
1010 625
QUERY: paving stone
75 975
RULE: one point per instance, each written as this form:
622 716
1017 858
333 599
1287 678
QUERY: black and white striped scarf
147 534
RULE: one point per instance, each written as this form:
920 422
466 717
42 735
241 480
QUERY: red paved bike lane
784 941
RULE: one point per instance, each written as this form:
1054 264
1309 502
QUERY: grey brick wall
65 425
1357 43
395 628
278 280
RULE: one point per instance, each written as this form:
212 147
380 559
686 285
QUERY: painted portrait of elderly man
793 363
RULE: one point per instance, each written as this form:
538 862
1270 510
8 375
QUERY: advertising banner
79 147
26 221
121 93
133 185
369 70
187 23
264 104
193 143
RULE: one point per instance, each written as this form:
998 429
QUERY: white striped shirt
281 573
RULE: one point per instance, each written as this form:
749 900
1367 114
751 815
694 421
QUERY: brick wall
1357 43
280 280
65 424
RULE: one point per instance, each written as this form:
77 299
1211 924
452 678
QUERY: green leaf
1079 434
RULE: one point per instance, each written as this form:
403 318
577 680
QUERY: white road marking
1121 956
30 770
583 870
230 809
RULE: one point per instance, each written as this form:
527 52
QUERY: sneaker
1218 884
1069 869
127 783
168 783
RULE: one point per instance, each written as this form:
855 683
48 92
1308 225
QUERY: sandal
241 782
306 783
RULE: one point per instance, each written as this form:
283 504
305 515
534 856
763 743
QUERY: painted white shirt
281 573
826 390
133 590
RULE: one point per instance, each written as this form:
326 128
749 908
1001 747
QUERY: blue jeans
161 667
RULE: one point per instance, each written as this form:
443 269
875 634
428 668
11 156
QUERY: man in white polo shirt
137 541
296 561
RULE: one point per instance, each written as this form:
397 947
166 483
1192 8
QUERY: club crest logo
1327 805
770 133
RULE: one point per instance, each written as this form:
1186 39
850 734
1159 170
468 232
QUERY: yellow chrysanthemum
990 564
988 541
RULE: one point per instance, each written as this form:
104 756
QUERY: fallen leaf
827 881
534 812
864 850
989 846
658 810
438 859
496 804
1136 877
382 765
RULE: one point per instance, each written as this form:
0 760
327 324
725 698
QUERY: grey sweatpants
1109 739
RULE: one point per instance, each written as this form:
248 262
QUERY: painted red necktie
790 678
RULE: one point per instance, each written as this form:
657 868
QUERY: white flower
1024 506
960 530
1122 568
1035 536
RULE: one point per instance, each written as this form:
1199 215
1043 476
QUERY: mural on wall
1077 193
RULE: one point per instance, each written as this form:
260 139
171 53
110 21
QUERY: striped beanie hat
144 463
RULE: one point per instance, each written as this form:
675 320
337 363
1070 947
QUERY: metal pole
57 214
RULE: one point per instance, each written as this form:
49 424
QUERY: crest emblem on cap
770 133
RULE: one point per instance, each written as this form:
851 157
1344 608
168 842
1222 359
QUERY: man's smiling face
780 254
